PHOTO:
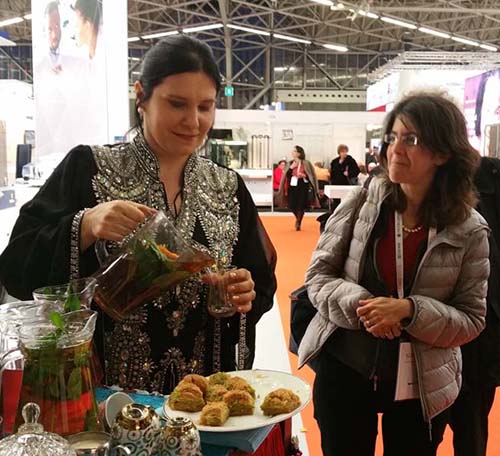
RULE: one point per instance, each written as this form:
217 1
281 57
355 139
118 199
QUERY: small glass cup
219 300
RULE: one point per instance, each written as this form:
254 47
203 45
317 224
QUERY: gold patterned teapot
138 428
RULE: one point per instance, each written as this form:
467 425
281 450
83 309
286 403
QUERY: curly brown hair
441 128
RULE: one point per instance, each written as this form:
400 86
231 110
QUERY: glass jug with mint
57 371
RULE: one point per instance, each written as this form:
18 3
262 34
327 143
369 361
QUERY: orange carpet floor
294 252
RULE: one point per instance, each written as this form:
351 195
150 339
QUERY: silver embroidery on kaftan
131 172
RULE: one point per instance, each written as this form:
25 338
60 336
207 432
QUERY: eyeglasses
410 140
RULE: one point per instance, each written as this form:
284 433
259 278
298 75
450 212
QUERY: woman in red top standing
299 186
399 281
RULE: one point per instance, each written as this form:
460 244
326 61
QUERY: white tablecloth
338 191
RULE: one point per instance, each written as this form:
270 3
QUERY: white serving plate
263 381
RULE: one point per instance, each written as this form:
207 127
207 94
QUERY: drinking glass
219 299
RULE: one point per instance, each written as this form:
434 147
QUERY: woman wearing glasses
399 281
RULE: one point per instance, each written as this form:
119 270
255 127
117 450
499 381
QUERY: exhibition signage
80 73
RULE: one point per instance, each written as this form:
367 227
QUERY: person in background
322 175
372 156
54 68
298 186
363 175
343 170
399 281
88 20
481 357
53 31
278 174
105 192
372 168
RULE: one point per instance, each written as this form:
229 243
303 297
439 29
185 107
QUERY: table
336 192
269 441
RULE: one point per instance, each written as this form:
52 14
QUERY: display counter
260 185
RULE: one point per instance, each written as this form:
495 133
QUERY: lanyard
398 224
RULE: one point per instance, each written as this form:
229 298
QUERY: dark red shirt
386 256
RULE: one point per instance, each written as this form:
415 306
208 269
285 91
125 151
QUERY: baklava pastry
219 378
214 414
280 401
215 393
186 397
238 383
200 381
239 403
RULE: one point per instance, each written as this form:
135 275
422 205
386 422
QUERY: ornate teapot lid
32 440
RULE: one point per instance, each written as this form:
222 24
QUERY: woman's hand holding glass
231 291
112 221
382 316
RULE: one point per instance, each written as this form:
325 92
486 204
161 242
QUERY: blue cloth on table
213 443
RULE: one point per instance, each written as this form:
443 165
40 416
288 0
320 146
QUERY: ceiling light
324 2
248 29
27 17
291 38
6 42
391 20
368 14
335 47
133 38
433 32
158 35
14 20
201 28
488 47
464 41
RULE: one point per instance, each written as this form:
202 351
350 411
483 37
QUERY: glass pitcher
57 372
80 291
13 315
152 260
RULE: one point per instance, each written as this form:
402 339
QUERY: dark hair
441 128
282 161
173 55
342 147
91 10
480 99
300 150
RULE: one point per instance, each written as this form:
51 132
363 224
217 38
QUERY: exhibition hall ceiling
342 43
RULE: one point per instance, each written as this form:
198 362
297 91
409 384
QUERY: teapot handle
122 448
101 251
11 355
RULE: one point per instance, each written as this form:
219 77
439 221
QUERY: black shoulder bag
301 309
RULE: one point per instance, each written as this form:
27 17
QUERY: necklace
412 230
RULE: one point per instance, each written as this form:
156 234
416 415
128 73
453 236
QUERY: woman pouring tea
107 192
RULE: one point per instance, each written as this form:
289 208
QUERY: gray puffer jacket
448 293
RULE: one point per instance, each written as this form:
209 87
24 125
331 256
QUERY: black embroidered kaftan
174 335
